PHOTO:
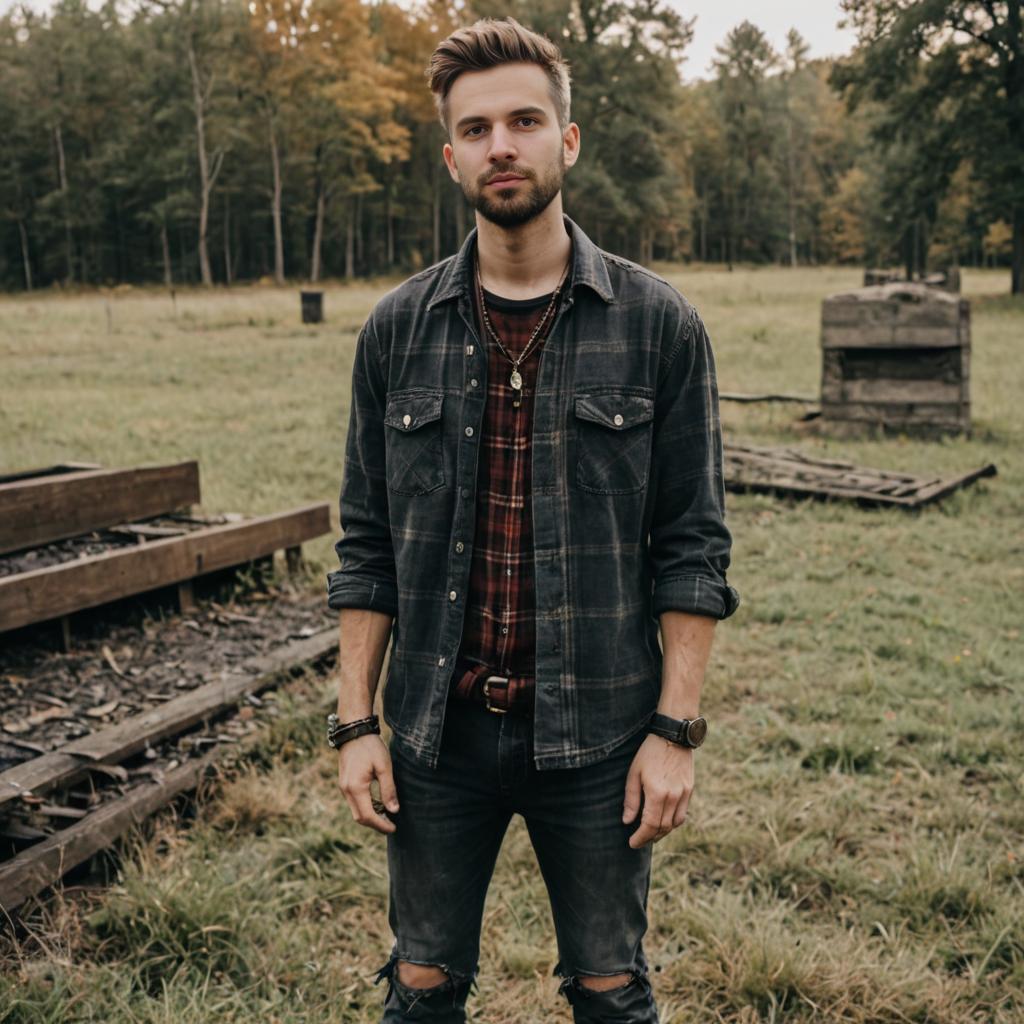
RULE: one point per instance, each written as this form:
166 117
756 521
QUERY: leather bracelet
341 732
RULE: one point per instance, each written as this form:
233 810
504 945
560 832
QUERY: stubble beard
513 207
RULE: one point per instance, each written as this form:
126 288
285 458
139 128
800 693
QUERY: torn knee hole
420 975
603 983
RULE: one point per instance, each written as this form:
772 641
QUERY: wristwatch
341 732
687 732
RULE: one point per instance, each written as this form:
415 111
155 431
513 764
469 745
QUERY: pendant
516 380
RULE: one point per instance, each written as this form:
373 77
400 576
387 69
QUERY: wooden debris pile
790 472
67 803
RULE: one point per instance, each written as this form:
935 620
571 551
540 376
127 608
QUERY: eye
476 127
532 120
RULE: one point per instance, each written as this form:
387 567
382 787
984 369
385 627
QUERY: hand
360 761
661 776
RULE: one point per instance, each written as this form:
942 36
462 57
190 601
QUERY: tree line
214 141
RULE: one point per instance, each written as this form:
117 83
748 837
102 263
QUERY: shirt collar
588 267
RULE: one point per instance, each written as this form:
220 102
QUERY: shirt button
452 595
469 350
474 382
440 661
504 629
465 492
459 546
469 431
508 572
407 419
618 420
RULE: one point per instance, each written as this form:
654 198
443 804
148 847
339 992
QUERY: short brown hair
488 43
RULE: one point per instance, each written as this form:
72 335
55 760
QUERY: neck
524 261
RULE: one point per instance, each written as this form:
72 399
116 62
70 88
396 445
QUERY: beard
512 207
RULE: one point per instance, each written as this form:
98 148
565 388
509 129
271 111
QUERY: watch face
696 731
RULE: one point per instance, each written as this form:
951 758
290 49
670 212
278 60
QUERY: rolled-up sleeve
689 542
367 577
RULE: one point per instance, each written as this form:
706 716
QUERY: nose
503 145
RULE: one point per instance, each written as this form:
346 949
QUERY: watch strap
686 732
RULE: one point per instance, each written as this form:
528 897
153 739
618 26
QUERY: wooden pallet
787 471
39 507
59 590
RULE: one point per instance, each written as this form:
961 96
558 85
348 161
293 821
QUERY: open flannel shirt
627 496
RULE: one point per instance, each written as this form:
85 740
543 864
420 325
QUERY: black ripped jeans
442 855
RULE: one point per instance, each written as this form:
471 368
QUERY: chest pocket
414 452
614 427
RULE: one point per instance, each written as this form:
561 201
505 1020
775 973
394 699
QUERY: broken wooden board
108 747
787 471
43 508
38 867
44 594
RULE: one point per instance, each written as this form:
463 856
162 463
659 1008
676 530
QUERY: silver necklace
516 380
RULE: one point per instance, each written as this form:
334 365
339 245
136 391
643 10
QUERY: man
532 486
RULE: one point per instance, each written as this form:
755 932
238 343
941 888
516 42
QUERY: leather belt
498 693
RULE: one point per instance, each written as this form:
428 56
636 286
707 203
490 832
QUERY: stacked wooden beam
896 356
43 507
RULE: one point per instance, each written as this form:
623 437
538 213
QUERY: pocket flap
407 410
616 410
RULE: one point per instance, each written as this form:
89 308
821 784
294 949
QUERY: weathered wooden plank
916 392
38 867
58 590
944 487
889 336
118 742
39 510
907 299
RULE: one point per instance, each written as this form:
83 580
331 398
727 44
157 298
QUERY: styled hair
489 43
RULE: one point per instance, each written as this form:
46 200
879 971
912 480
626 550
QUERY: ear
571 144
449 160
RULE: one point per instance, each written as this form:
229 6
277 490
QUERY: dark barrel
312 307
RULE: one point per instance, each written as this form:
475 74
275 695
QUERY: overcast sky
815 20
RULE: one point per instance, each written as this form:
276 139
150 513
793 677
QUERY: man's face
507 151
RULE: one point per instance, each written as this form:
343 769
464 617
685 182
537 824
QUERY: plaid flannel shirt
628 500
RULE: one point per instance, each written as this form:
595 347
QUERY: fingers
360 761
633 793
650 819
663 811
388 794
681 808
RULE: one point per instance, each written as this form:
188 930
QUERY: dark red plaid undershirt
499 635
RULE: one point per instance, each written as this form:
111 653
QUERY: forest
216 141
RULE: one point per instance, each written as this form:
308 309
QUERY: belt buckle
487 695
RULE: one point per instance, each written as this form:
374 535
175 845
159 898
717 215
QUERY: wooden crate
897 357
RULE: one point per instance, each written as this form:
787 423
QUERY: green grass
854 850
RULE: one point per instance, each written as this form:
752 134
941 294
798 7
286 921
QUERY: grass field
855 848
